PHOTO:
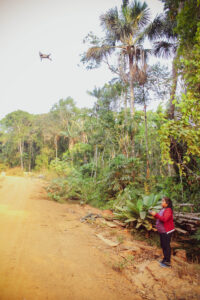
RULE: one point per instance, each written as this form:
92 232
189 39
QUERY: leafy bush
122 171
41 161
80 153
130 192
87 170
135 212
77 187
60 167
182 192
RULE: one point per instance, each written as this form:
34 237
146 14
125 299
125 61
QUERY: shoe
165 265
161 261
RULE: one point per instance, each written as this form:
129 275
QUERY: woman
165 227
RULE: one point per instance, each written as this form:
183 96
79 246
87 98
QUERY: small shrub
119 266
60 167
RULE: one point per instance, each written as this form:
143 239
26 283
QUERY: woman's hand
153 213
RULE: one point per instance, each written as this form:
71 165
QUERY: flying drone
43 56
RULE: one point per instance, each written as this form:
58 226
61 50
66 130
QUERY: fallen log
181 220
181 230
186 216
184 204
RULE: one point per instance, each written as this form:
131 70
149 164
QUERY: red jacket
167 219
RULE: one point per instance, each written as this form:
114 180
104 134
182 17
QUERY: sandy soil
47 253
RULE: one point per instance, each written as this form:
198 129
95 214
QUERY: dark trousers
165 245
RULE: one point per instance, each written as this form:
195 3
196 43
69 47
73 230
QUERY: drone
42 56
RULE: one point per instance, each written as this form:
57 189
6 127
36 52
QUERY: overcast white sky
50 26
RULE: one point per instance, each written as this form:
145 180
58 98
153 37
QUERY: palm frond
125 4
98 53
168 29
111 23
121 27
110 39
161 27
164 49
154 30
140 13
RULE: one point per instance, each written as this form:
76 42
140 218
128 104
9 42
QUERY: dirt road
47 253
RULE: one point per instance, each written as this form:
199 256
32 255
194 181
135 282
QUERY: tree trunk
146 141
125 107
56 146
96 161
102 158
30 155
173 89
173 142
169 170
132 100
21 154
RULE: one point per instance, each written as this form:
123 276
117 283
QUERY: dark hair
169 202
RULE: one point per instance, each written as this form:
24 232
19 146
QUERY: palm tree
124 31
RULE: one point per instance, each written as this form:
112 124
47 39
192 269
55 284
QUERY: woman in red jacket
165 227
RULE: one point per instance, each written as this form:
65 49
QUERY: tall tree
17 126
153 85
181 138
162 32
124 31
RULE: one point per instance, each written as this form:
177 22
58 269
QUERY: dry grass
17 171
191 271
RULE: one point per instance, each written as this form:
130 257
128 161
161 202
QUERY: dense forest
120 154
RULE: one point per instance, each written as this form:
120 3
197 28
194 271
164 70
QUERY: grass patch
122 264
152 239
120 239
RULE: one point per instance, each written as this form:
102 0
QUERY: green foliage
170 187
59 166
122 172
187 22
80 153
15 129
42 160
135 212
57 189
180 137
75 187
130 192
197 235
3 167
